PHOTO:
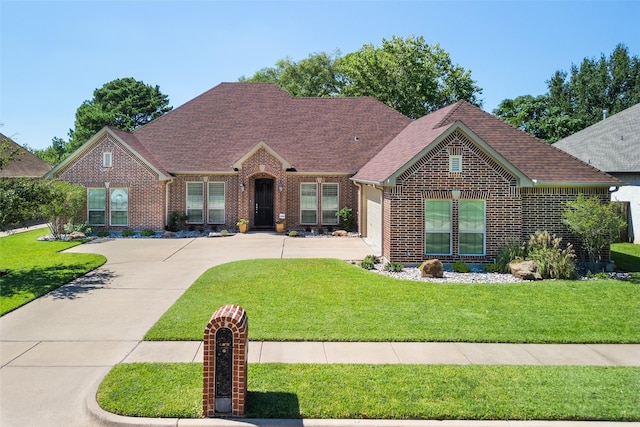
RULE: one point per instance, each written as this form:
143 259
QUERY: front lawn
331 300
30 268
386 392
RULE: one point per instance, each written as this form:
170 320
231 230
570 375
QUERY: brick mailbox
226 343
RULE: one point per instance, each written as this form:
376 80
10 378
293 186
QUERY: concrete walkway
55 350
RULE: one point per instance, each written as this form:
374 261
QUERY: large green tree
124 103
408 75
576 99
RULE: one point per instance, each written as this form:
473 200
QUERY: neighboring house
455 184
24 165
613 145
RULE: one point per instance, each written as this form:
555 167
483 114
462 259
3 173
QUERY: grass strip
331 300
30 268
387 391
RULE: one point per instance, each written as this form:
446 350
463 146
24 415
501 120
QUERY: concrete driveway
54 350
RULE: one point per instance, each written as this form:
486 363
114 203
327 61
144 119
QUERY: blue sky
54 54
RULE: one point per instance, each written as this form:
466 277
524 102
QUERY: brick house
453 184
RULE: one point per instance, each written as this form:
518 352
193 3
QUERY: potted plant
280 225
242 225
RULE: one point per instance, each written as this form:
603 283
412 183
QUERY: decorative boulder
340 233
432 268
525 270
77 235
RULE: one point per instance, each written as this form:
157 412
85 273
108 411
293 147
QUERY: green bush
552 261
393 266
460 267
492 268
103 233
367 264
374 259
127 232
293 233
511 250
346 218
147 232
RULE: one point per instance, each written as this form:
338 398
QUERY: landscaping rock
77 235
526 270
339 233
432 268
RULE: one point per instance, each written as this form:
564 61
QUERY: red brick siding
146 192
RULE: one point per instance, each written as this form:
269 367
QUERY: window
330 203
107 159
471 227
455 164
437 227
216 203
195 202
97 203
308 203
119 204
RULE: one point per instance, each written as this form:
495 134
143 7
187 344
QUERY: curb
109 419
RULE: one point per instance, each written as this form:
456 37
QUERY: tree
576 99
598 224
20 201
65 204
408 75
312 76
124 103
9 152
55 153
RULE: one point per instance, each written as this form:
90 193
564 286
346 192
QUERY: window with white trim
455 164
330 202
96 206
437 227
119 206
215 202
471 227
107 159
195 202
308 203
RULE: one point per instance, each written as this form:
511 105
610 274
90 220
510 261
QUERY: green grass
387 392
30 268
626 256
331 300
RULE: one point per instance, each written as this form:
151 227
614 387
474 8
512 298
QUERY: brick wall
146 193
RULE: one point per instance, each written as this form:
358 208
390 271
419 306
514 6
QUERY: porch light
242 187
280 186
455 194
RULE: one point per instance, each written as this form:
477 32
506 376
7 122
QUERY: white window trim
107 159
484 229
224 209
111 210
315 184
337 185
455 163
434 231
186 202
104 210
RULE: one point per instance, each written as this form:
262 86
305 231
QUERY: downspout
360 197
166 202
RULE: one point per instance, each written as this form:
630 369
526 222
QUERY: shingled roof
25 165
531 157
611 145
214 130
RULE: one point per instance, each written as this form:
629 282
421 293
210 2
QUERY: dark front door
264 203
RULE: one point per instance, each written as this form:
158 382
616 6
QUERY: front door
264 203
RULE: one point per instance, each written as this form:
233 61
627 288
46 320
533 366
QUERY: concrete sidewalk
55 350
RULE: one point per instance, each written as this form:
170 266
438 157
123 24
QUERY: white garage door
374 217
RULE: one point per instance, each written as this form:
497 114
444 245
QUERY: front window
195 202
216 203
471 227
330 203
308 203
119 204
97 204
437 227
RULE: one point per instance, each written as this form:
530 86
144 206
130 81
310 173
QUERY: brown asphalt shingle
533 157
25 165
214 130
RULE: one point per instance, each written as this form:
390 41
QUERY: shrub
127 232
103 233
346 218
367 264
511 250
460 267
393 266
224 232
492 268
552 261
374 259
147 232
293 233
176 220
